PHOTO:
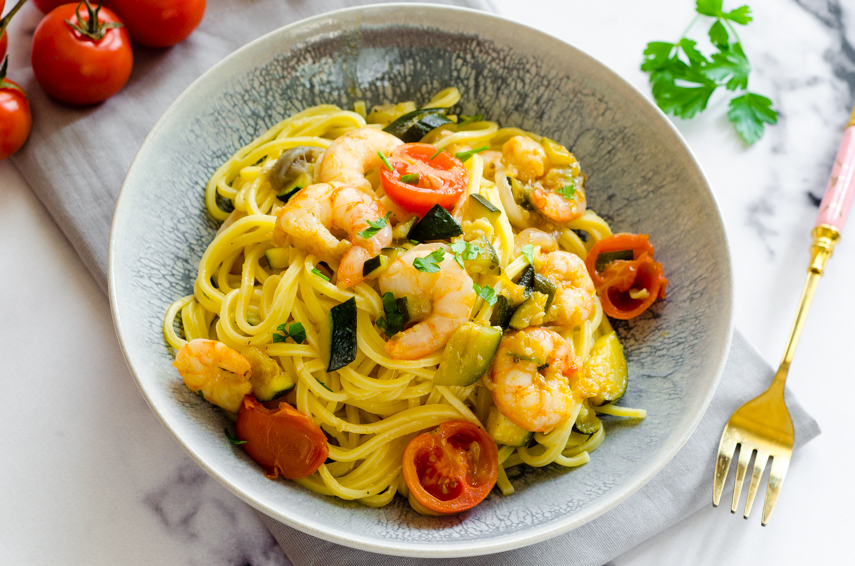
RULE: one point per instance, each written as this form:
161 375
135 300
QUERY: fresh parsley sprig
683 79
296 331
486 292
528 251
464 156
430 263
464 251
375 226
568 190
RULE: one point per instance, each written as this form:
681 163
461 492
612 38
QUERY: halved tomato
423 176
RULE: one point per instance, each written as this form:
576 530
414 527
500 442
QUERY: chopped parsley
376 226
440 150
464 251
411 179
296 332
486 292
317 272
233 439
467 119
430 263
528 251
385 161
567 191
465 155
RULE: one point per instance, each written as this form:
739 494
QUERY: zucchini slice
605 375
487 260
277 258
468 355
436 224
294 187
480 206
530 313
503 310
337 337
587 422
535 282
413 126
268 380
375 266
503 431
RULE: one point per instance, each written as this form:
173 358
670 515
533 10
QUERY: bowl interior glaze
641 178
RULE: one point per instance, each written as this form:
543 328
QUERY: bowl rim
420 549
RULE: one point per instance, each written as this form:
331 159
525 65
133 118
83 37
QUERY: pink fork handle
841 186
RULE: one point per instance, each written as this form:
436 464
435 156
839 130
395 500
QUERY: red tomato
451 469
75 68
159 23
619 277
284 441
15 117
47 5
441 180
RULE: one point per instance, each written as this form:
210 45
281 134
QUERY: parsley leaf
411 179
317 272
233 439
430 263
376 226
385 161
682 78
567 191
296 331
486 292
440 150
467 119
748 113
528 251
464 251
465 155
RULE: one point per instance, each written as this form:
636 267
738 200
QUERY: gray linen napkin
76 159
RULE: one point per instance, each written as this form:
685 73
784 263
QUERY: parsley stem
731 29
686 31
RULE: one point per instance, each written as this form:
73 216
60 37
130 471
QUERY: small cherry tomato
626 287
451 469
159 23
15 117
84 60
423 176
284 441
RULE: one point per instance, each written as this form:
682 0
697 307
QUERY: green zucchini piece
468 355
436 224
605 375
337 337
277 258
527 280
375 266
487 260
413 126
292 188
268 380
587 422
503 310
530 312
400 231
480 206
397 314
533 281
503 431
606 258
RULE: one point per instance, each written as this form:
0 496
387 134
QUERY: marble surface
91 477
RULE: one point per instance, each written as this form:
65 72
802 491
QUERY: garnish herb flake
233 439
440 150
296 332
385 161
683 79
430 263
317 272
411 179
466 119
464 251
486 292
464 156
568 190
375 226
528 251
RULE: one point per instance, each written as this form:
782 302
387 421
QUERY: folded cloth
76 159
680 489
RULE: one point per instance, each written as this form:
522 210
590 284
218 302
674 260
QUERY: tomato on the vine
15 117
422 175
84 60
451 469
4 23
284 441
159 23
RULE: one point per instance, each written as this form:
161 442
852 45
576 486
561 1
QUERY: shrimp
545 240
574 299
216 371
524 158
557 207
449 291
311 215
530 379
348 158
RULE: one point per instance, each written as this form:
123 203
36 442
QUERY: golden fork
763 425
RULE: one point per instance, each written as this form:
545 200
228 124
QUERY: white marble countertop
89 476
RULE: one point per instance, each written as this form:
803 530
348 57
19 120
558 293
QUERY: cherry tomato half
451 469
618 280
284 441
15 117
159 23
440 180
75 68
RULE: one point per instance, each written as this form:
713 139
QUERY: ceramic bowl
641 178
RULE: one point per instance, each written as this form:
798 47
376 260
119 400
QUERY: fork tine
741 467
726 448
759 466
780 463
